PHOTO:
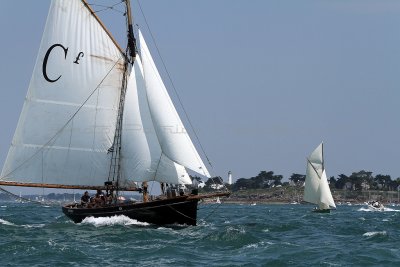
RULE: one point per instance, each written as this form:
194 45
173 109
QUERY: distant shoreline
294 195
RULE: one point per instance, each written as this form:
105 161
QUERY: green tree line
357 181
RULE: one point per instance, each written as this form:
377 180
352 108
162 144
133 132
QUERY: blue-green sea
226 235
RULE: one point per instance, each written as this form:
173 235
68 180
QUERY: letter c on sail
46 57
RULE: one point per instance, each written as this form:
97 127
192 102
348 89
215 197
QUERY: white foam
385 209
364 209
6 222
23 225
389 209
41 225
114 220
375 233
3 206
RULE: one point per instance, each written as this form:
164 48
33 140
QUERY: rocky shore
286 195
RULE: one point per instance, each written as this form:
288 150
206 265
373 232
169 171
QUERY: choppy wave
113 220
375 233
384 210
264 235
6 222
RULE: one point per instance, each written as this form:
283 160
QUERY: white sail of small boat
97 116
316 188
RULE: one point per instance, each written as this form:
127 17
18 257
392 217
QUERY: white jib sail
67 123
141 155
173 138
326 198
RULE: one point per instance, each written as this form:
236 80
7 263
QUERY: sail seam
62 103
62 148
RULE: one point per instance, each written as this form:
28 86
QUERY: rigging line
177 211
312 165
213 211
65 125
18 197
108 7
173 86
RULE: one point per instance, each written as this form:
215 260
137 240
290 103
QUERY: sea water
226 235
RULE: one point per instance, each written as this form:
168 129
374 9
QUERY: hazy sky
264 82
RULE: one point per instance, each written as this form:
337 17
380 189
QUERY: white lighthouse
229 177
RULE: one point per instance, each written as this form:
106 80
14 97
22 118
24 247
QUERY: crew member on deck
100 198
195 185
85 198
145 192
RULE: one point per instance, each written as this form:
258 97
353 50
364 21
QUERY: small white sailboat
316 189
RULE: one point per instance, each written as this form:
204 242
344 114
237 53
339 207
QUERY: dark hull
178 210
321 211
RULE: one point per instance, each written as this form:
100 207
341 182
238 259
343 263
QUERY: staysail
172 136
142 157
67 123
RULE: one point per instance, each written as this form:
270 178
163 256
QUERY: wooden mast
131 36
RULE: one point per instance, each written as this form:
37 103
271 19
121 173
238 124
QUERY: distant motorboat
316 188
375 206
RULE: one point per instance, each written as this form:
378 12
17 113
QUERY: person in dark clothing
85 198
195 187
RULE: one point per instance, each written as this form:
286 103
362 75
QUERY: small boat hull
321 210
178 210
372 208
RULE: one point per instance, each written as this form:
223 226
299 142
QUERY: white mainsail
172 136
316 188
67 123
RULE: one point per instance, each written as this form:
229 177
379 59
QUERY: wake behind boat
316 188
99 117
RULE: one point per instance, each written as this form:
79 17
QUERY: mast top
131 37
